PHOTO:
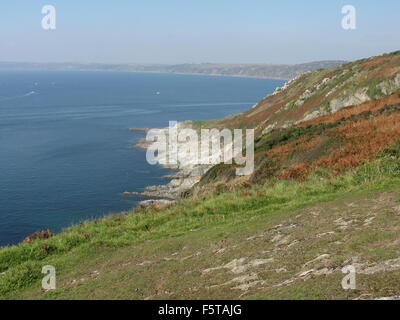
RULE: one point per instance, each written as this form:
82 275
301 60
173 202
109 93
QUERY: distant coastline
215 75
256 71
156 72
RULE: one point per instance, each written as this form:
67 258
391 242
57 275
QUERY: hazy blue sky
180 31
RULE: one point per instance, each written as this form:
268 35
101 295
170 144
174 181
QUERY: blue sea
65 152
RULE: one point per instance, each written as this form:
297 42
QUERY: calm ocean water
65 151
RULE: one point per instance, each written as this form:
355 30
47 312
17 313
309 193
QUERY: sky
196 31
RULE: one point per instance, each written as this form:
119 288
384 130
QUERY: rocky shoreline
186 176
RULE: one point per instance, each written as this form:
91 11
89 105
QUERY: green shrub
373 90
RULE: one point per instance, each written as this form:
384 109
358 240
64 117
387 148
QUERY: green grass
292 105
373 91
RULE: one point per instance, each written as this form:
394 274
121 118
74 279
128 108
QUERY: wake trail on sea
19 96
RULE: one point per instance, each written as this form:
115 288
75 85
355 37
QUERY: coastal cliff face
189 171
295 133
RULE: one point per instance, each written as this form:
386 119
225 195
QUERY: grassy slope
163 254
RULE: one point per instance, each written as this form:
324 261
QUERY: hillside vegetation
322 92
296 136
325 194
